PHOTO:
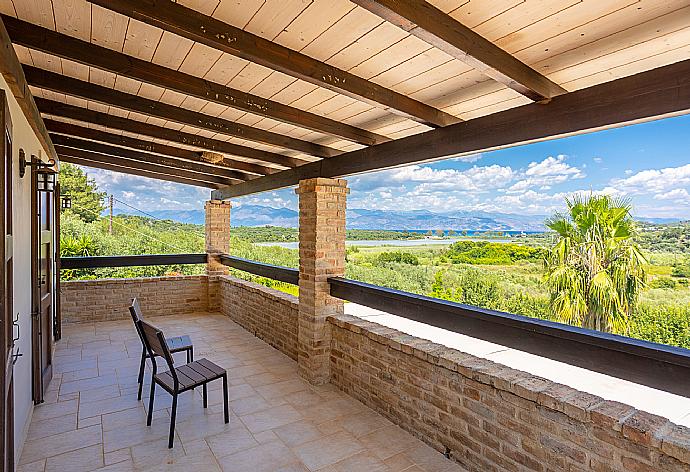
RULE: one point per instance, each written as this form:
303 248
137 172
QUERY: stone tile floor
91 419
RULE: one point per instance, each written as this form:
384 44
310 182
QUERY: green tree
87 201
595 270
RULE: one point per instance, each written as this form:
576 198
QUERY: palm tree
595 271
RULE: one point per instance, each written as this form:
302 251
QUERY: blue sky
648 163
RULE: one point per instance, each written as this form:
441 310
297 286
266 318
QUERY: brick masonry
217 234
269 314
322 205
108 299
490 417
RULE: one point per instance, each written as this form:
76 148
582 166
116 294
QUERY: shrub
662 282
482 252
666 324
399 257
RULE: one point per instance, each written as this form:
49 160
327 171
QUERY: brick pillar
217 234
322 204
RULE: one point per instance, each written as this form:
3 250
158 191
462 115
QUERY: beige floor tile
87 384
328 450
364 423
263 458
388 441
38 466
60 424
232 441
430 460
120 455
271 418
110 405
81 460
61 443
46 411
297 433
362 461
154 453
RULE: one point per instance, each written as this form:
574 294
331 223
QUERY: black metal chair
176 344
179 379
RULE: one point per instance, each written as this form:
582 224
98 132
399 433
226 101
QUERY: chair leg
149 418
191 354
142 366
173 414
205 396
225 398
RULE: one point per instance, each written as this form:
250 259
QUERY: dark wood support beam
12 72
657 93
85 115
67 47
431 25
63 142
88 91
62 128
149 166
124 169
191 24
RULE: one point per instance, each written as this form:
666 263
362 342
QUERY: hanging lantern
45 179
65 202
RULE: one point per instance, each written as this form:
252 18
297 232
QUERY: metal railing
651 364
283 274
92 262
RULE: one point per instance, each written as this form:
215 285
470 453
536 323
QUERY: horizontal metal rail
651 364
283 274
92 262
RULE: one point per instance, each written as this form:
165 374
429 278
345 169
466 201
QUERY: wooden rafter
67 47
85 115
64 142
118 166
657 93
62 128
431 25
88 91
175 18
11 70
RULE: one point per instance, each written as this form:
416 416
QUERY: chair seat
179 343
190 375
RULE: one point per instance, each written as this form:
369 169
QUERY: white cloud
654 180
598 160
679 194
544 174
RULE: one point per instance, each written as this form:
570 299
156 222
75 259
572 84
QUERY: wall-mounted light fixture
34 162
65 202
45 179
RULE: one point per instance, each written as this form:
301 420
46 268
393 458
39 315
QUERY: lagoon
394 242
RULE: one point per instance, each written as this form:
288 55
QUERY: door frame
39 385
7 322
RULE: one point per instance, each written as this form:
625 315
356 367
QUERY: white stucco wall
23 137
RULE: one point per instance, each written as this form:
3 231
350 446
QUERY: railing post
322 205
217 235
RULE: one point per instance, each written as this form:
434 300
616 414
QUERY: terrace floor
91 419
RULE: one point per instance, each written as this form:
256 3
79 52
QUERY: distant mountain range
259 215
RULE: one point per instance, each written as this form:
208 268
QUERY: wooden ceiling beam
12 72
62 128
67 47
125 169
64 142
191 24
653 94
442 31
85 115
97 93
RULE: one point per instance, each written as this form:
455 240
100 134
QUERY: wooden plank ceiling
221 92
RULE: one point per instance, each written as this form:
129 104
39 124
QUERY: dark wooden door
42 265
6 293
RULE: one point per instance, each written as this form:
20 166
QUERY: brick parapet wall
269 314
490 417
108 299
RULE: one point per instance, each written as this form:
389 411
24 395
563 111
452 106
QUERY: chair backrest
156 345
135 311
